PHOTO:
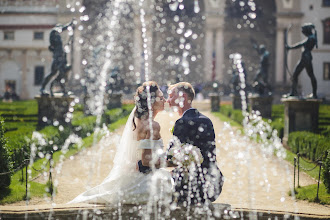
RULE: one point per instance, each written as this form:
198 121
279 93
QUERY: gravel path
253 180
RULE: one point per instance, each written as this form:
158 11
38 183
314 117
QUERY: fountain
119 36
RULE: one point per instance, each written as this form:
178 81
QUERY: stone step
89 211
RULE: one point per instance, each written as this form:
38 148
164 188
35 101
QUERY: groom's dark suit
197 129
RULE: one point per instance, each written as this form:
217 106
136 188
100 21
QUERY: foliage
234 114
278 119
309 193
310 145
16 191
5 160
19 134
324 120
326 172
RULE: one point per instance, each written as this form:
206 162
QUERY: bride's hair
141 99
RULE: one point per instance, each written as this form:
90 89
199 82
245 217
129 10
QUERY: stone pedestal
263 104
236 101
51 109
300 115
113 100
215 102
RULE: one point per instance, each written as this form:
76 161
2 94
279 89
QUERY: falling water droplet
174 6
196 7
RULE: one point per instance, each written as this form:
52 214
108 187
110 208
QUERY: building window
326 71
38 35
38 75
326 3
326 31
9 35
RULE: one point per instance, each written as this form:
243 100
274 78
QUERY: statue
59 64
306 59
260 81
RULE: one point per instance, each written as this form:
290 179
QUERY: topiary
5 160
326 172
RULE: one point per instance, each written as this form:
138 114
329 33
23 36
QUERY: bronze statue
59 64
260 81
306 58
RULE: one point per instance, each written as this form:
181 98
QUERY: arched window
326 31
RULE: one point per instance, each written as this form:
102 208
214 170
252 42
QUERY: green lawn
309 193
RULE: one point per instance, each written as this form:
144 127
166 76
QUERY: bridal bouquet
185 155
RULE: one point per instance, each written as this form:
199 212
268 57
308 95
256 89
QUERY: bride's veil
127 152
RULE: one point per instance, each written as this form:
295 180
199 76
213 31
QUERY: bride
136 176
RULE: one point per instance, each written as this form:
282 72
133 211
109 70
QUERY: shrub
278 124
226 110
234 114
310 145
5 160
326 172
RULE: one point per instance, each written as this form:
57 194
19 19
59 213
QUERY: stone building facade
24 39
221 29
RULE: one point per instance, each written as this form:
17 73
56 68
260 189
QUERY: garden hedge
326 172
310 145
5 160
19 140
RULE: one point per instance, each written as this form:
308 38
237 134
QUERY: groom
196 129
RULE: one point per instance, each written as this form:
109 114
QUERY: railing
28 3
318 163
25 164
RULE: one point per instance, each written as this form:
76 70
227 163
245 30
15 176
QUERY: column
208 49
219 54
24 92
280 65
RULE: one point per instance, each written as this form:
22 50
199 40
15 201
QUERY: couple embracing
139 174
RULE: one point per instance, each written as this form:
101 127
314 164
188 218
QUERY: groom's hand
169 162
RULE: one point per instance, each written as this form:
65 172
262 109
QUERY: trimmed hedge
326 172
234 114
20 139
5 160
310 145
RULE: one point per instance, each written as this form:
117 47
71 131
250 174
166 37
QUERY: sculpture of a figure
59 64
260 81
306 59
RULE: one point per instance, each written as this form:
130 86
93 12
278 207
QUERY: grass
222 117
309 193
16 191
314 173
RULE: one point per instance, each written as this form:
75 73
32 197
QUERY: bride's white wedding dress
125 184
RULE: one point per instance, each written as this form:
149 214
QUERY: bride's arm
147 153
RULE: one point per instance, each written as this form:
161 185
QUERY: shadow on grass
4 193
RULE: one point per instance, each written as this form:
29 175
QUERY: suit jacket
197 129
